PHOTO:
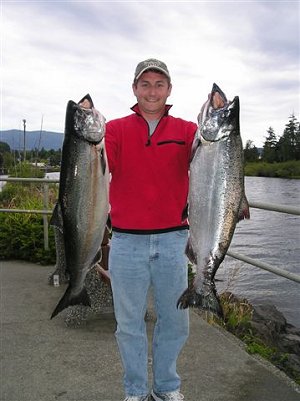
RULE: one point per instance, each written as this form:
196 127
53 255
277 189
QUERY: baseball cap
148 64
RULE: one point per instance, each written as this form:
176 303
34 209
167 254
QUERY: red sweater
149 185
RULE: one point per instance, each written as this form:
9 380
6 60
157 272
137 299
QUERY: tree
288 145
8 161
4 154
251 153
298 142
43 154
269 148
55 158
4 147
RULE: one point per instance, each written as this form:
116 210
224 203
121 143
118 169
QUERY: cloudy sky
53 51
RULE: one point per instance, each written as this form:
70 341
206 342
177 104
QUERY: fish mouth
218 98
89 100
216 101
218 117
219 101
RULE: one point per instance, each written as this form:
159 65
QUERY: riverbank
289 169
265 332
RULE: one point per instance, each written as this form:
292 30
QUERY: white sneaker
171 396
136 398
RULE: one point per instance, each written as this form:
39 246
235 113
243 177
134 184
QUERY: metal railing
276 270
258 205
45 211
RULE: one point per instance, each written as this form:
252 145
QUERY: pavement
47 360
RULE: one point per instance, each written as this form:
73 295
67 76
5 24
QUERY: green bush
22 237
22 234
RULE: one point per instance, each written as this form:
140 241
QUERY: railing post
45 219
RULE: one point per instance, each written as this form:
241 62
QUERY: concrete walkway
44 360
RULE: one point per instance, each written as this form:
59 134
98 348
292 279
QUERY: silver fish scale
86 214
214 200
216 193
82 210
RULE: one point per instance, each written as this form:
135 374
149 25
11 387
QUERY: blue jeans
137 262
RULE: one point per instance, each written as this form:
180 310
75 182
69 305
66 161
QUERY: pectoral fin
244 212
56 218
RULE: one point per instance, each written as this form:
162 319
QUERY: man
148 156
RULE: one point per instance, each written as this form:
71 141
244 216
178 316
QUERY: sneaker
171 396
136 398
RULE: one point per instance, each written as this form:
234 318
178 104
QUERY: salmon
216 199
81 212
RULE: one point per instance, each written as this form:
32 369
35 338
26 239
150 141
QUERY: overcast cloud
55 51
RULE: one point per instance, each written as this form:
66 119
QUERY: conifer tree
251 153
288 143
270 145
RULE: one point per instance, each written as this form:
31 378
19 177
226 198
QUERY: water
273 238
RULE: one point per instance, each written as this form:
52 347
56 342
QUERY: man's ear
134 88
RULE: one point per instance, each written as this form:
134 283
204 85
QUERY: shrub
21 237
22 234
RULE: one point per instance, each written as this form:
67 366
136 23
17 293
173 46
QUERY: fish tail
207 300
70 299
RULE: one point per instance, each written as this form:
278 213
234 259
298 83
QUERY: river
273 238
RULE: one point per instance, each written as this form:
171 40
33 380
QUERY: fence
265 206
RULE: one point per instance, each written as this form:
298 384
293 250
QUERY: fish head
89 124
218 117
85 122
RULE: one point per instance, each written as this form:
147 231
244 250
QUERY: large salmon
82 209
217 199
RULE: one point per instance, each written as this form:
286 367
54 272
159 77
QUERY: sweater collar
136 109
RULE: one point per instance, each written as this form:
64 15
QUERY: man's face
152 91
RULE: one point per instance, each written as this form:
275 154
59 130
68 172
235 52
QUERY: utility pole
24 150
